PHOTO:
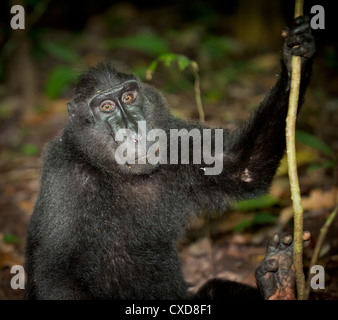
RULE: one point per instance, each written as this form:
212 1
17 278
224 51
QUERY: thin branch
198 92
322 234
292 166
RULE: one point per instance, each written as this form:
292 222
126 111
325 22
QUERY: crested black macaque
104 229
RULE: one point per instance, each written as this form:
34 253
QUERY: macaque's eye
107 106
129 97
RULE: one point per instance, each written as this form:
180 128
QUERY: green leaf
264 218
148 43
183 62
261 218
61 52
258 203
139 70
153 66
151 69
30 149
167 59
58 79
241 226
314 142
10 238
322 165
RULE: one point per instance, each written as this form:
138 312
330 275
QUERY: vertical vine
292 166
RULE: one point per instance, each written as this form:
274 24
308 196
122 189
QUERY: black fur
99 231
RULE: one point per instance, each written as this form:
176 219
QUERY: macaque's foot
276 275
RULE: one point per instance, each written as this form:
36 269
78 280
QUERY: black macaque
102 229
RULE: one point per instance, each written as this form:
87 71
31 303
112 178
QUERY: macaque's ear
71 109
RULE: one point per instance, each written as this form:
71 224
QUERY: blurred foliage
167 59
218 47
59 78
5 110
183 62
119 29
60 51
30 149
316 143
259 219
262 202
61 75
331 57
148 43
10 238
